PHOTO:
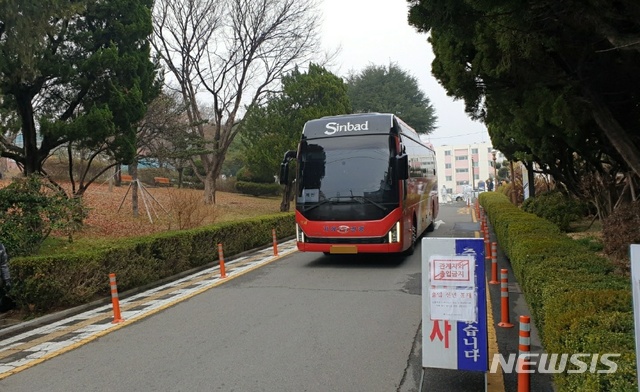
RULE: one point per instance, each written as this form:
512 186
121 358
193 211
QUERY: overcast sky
377 32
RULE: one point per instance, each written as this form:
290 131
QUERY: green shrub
245 174
578 301
555 207
259 189
543 283
31 209
531 248
44 283
593 321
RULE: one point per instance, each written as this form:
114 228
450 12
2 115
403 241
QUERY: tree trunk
531 178
32 162
180 174
612 129
118 174
210 189
286 198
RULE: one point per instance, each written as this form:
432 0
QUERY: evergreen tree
269 131
555 81
392 90
73 73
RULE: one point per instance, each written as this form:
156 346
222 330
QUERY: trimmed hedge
45 283
578 303
259 189
556 207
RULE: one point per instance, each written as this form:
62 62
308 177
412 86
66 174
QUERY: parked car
460 196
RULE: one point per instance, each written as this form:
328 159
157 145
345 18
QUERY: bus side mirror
284 173
401 163
284 166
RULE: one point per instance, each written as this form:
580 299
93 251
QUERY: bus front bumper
349 248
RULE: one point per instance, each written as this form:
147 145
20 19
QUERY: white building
465 164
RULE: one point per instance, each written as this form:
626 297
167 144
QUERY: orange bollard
487 244
223 274
524 349
275 242
114 299
504 299
487 255
494 263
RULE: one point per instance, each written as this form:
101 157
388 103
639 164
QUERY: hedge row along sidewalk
53 282
580 305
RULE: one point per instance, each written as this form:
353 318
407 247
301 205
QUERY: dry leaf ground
163 208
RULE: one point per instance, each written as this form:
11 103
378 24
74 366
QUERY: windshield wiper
321 202
359 199
334 199
363 199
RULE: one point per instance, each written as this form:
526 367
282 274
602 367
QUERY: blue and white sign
454 304
634 251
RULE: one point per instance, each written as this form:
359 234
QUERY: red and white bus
365 183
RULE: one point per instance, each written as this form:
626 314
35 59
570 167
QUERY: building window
462 170
447 153
462 182
474 150
448 178
447 166
461 158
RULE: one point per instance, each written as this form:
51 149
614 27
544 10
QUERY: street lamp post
473 174
495 175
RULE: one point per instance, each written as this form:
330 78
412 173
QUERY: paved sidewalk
35 345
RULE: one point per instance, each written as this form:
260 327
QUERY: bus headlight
394 233
299 234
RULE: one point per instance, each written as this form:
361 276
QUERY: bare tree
162 127
170 139
229 54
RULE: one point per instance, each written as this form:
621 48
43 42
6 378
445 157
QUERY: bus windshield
346 178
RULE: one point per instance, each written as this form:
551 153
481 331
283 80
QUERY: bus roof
349 124
359 123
